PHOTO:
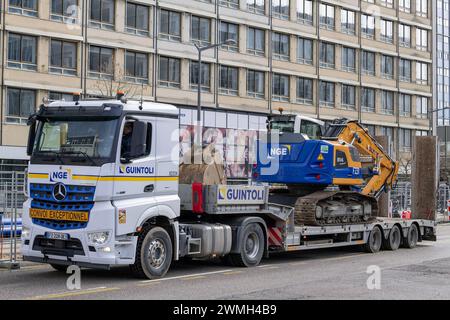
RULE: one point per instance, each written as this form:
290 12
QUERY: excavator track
336 208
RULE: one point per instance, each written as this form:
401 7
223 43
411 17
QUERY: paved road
327 274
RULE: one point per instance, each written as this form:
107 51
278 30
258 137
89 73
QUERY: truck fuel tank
215 239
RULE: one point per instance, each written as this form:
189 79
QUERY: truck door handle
149 188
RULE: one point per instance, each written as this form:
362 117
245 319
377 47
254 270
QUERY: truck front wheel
251 247
153 254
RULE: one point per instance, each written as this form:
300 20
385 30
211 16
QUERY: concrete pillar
424 178
383 201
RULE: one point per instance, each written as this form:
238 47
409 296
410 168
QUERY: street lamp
199 91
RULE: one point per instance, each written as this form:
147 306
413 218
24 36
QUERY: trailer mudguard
237 225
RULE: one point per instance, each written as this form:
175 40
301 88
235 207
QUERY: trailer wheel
153 254
375 241
410 241
394 239
59 267
251 247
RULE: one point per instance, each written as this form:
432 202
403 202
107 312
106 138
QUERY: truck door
343 174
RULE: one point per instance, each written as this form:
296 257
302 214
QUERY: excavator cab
310 128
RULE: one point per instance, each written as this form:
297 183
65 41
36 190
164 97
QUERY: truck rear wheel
153 254
375 241
394 239
251 247
411 239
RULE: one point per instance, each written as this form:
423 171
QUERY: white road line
187 276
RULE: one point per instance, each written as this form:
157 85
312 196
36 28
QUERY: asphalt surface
421 273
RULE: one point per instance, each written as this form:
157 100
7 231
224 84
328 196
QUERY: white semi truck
103 190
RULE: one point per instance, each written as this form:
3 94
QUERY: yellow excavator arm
385 169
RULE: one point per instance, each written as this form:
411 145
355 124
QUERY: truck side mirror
31 135
138 140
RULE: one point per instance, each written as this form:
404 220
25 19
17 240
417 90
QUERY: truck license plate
57 236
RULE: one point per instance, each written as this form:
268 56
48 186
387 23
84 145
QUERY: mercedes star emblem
59 192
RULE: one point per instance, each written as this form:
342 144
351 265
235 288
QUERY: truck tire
394 239
59 267
251 247
411 239
153 254
375 241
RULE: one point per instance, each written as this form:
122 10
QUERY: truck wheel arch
237 226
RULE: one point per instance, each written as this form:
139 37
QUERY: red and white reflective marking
276 237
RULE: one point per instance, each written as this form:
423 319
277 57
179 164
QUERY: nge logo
284 150
60 175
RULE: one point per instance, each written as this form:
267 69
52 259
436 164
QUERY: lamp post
199 86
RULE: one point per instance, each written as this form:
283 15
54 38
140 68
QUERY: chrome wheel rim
156 253
252 245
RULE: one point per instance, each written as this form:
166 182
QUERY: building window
102 14
64 11
255 84
348 22
229 32
137 19
368 26
421 39
280 46
405 70
206 76
24 7
327 55
405 6
22 52
405 105
387 3
326 16
101 62
421 73
304 91
348 97
387 132
405 140
60 96
280 9
422 8
136 67
304 51
348 59
421 133
387 102
387 67
387 31
368 63
169 25
280 88
404 35
63 57
422 107
200 31
256 6
20 104
228 80
233 4
368 100
169 72
256 41
305 11
326 92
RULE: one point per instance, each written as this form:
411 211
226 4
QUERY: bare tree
109 86
405 166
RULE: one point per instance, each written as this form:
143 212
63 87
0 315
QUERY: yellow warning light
320 157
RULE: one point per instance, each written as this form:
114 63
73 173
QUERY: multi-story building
442 56
369 60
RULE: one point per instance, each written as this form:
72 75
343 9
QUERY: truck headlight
99 238
26 232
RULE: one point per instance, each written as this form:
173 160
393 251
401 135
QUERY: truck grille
78 198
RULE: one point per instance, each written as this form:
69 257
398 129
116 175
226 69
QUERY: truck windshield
75 141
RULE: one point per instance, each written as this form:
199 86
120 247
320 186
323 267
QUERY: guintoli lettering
245 194
140 170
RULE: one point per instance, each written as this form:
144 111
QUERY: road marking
232 273
271 267
193 278
73 293
187 276
297 263
148 284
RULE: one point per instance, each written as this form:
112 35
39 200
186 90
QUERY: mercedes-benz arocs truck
103 190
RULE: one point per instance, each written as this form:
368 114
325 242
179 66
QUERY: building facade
442 82
369 60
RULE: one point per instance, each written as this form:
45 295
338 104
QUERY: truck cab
99 173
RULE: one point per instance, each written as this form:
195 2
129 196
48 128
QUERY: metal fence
11 199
